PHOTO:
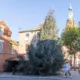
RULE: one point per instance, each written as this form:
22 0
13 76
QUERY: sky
28 14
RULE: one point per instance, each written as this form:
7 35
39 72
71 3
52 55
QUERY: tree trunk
74 62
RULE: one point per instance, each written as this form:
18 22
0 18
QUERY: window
27 37
1 46
12 51
1 31
38 35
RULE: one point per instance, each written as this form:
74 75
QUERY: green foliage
59 41
79 24
46 57
49 30
13 42
71 38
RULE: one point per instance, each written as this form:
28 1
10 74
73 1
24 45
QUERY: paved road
4 76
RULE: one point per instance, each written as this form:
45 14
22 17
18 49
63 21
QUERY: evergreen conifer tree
49 29
46 58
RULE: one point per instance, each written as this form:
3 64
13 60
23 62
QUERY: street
5 76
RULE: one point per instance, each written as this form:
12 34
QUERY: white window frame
1 42
12 51
1 31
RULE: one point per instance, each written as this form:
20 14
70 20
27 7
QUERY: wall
7 47
15 48
4 57
24 41
71 57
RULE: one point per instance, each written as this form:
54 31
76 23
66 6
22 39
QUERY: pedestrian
67 69
79 68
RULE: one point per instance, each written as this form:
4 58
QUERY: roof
28 31
32 30
5 26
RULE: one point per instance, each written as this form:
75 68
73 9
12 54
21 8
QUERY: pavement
9 76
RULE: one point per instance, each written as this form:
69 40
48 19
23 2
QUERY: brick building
5 45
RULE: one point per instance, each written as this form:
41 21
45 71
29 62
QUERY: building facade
71 21
26 38
5 46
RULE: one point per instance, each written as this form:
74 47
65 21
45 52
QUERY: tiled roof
5 26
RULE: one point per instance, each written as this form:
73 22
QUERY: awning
21 54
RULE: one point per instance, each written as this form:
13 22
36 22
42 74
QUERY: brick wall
7 47
4 57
